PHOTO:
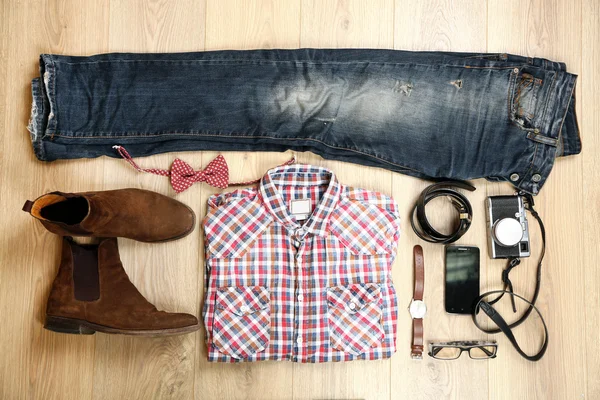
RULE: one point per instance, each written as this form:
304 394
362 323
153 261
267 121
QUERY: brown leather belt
423 228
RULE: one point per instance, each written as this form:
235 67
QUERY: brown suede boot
92 293
130 213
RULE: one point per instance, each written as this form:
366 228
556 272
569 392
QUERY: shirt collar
298 174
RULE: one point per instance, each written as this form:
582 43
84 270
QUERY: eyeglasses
477 350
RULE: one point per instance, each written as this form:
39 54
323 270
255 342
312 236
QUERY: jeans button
514 177
536 177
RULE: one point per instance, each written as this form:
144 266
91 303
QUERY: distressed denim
426 114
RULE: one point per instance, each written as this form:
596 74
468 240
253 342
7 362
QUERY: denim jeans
426 114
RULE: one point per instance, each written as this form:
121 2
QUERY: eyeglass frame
464 346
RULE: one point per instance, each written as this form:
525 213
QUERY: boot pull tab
28 206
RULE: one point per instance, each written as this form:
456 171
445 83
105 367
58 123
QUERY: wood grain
38 364
589 114
442 26
329 25
543 29
235 24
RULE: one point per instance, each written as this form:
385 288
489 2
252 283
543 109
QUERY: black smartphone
462 279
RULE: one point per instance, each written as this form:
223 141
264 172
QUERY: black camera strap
506 328
508 289
508 286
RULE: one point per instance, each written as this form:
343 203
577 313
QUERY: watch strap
419 272
416 351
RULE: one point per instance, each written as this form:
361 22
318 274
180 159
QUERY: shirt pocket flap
364 228
232 229
243 300
354 298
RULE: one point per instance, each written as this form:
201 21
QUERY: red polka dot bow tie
183 175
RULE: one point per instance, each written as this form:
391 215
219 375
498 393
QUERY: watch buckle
416 356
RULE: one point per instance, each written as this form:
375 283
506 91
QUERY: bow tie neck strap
123 153
183 176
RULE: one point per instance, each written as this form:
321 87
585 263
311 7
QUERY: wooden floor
38 364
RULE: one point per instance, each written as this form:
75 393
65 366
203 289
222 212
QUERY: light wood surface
38 364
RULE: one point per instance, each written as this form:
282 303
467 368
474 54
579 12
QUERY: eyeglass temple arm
435 350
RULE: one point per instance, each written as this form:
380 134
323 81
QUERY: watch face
417 309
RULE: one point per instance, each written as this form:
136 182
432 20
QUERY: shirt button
536 177
232 289
299 340
514 177
300 297
244 308
352 306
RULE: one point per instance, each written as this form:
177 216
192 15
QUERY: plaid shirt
313 290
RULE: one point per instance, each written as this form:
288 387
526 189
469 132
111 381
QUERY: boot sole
80 327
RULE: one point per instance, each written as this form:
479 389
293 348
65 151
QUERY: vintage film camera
508 228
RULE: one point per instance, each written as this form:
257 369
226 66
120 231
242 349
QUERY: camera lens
508 232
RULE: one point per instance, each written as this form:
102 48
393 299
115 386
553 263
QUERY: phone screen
462 279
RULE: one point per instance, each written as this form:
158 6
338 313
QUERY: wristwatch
417 307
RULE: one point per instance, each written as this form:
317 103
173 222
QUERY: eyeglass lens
446 353
482 352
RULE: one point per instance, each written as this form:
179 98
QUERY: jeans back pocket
525 107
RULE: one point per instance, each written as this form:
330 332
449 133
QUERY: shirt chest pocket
242 321
355 317
233 229
365 229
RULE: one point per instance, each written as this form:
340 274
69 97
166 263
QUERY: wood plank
548 29
236 24
589 118
442 26
39 363
342 24
166 273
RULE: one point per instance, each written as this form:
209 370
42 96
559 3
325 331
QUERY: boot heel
66 325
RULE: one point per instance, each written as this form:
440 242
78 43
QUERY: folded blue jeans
432 115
